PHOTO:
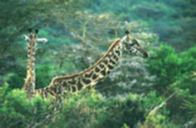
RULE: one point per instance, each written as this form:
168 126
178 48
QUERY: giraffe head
32 37
132 46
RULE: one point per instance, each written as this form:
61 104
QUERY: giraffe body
29 84
94 74
87 78
32 40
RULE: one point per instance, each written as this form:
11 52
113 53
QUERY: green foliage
161 64
169 66
45 78
18 111
93 110
82 109
175 74
190 104
172 20
15 80
152 100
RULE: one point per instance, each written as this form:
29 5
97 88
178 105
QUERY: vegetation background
158 92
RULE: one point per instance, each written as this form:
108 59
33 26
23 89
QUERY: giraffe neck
30 78
87 78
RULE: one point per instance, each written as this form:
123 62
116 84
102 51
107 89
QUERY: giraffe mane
114 44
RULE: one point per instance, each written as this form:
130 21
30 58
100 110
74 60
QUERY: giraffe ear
36 31
26 37
42 40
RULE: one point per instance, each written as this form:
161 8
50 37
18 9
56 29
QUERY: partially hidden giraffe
97 72
32 40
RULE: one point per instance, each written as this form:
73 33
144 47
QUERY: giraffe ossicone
97 72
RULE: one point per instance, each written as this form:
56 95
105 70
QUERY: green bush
175 74
18 111
170 67
87 110
165 64
84 110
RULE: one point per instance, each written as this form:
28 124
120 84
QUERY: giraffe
97 72
32 40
